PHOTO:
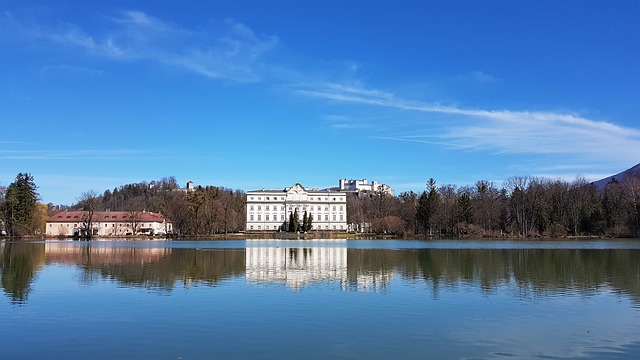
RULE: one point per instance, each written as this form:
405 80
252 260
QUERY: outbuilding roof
107 216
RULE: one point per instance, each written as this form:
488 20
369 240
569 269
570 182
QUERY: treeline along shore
524 206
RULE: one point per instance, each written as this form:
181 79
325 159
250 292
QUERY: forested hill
633 172
216 209
151 196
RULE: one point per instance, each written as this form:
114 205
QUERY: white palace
269 210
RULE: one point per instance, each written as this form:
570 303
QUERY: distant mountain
632 172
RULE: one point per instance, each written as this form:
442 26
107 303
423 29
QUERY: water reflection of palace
296 267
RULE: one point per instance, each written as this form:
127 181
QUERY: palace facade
108 223
269 210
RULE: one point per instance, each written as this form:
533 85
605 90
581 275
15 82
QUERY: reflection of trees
188 266
528 272
532 271
18 265
371 268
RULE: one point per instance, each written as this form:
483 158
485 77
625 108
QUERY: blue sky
263 94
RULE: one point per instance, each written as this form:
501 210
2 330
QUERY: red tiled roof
106 216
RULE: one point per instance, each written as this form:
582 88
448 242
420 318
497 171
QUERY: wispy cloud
342 122
497 131
229 50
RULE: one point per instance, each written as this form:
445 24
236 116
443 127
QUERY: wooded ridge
525 206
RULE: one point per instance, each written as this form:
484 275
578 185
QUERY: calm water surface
320 299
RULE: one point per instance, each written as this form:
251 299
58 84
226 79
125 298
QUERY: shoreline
302 236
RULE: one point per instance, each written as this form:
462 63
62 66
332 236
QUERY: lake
320 299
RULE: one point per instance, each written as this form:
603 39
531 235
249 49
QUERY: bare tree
578 196
406 209
614 203
632 188
355 211
446 216
89 201
133 219
488 208
389 225
2 212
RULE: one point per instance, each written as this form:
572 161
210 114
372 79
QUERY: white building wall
269 210
107 228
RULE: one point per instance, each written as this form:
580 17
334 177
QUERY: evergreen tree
465 209
296 221
291 223
305 221
428 204
310 222
422 213
20 203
